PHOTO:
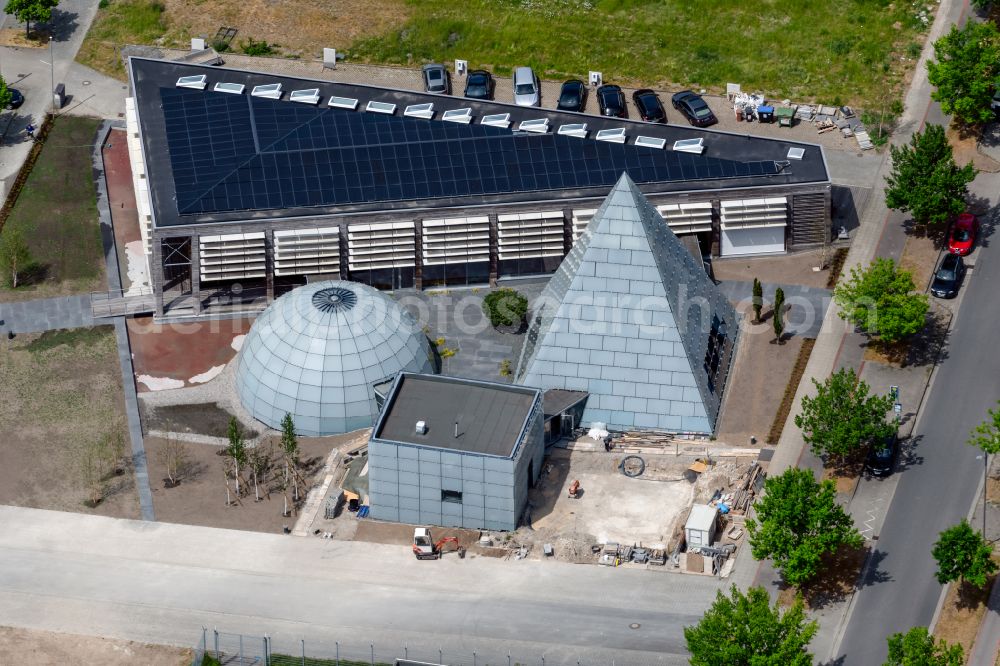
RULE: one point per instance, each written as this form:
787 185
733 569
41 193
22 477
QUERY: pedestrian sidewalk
46 314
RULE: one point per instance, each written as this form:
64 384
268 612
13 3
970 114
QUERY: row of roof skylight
426 111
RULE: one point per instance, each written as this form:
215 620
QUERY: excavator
425 548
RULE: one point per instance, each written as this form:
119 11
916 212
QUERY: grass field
856 51
57 214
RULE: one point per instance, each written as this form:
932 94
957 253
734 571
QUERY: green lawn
848 52
121 22
57 214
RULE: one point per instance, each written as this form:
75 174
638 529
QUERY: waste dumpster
765 114
785 116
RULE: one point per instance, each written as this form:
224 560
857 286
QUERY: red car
963 234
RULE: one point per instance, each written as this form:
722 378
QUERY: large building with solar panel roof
250 184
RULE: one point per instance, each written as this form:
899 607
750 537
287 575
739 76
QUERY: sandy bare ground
28 647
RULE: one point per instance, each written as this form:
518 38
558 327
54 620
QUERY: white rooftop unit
574 129
496 120
650 142
420 110
696 146
198 82
796 153
463 116
539 125
231 88
268 90
343 103
381 107
699 530
614 135
308 96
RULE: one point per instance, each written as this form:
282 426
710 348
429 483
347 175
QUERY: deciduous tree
173 455
843 417
965 68
745 630
986 435
798 522
236 450
290 452
15 256
963 554
5 95
505 307
918 648
881 302
925 180
37 11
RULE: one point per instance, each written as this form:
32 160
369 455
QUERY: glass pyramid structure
632 318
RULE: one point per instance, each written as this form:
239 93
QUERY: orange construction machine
425 548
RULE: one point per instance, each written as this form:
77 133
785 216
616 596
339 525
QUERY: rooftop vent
614 135
496 120
308 96
421 428
463 116
232 88
696 146
796 153
539 125
268 90
381 107
198 82
343 103
420 110
575 129
650 142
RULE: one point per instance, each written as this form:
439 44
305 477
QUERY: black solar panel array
237 152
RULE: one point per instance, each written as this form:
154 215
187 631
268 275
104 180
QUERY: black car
611 99
479 84
572 96
948 276
882 456
16 98
648 104
694 108
436 79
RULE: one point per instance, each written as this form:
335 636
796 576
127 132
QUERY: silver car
526 89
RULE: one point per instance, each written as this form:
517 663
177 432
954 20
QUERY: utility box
700 527
197 43
59 96
329 58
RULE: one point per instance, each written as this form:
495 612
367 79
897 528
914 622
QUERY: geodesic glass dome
317 351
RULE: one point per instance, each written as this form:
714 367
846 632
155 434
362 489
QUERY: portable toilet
700 527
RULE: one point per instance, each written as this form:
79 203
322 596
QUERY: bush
252 47
505 307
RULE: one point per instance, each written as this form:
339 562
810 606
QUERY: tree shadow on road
842 576
908 455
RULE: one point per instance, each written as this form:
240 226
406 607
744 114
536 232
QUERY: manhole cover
634 625
86 83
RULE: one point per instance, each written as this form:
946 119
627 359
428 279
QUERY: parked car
16 98
611 100
963 234
948 276
572 96
526 88
882 456
694 108
648 104
436 79
479 84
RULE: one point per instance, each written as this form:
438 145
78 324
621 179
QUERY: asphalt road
936 491
162 583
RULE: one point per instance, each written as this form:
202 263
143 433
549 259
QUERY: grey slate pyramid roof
631 317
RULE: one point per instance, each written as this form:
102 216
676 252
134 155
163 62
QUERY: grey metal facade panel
632 342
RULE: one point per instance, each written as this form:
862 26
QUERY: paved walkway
806 305
46 314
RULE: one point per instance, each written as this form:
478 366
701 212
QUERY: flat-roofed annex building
250 184
455 452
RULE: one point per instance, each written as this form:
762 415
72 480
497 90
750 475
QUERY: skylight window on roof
268 90
463 116
381 107
231 88
539 125
420 111
796 153
308 96
614 135
496 120
343 103
198 82
650 142
695 146
574 129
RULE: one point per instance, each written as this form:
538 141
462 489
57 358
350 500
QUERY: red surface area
121 196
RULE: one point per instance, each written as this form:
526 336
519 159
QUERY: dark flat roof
490 416
215 157
557 401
